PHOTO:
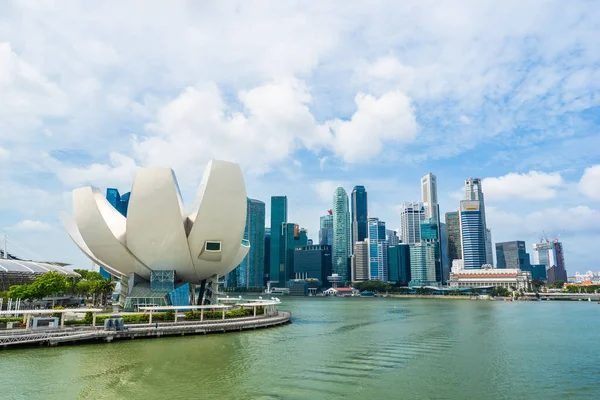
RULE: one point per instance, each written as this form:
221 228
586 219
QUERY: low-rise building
507 278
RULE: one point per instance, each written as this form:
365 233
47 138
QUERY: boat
507 299
367 293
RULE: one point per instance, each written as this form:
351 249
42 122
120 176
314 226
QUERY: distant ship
367 293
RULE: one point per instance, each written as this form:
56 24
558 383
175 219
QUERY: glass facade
512 255
267 264
162 280
249 273
120 203
472 235
313 262
291 237
342 238
378 269
180 296
399 263
422 264
278 218
359 214
453 236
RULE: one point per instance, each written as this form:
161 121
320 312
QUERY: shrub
10 319
57 315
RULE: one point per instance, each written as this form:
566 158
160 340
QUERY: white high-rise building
342 233
411 214
429 196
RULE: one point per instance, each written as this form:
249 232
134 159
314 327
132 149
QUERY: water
353 348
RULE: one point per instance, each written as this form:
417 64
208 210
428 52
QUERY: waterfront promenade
53 337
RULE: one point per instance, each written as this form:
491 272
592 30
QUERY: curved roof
32 267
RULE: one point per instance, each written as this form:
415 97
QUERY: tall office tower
342 238
472 234
291 237
120 203
392 237
474 192
378 270
489 252
422 264
430 234
313 262
326 229
360 261
454 240
359 214
444 252
411 213
429 196
255 229
267 265
551 255
278 218
399 263
512 255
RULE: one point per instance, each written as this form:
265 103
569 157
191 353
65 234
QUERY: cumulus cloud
389 118
529 186
589 184
119 172
32 225
325 189
27 96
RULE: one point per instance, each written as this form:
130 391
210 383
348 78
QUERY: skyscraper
472 234
342 240
474 192
359 214
454 240
267 265
550 254
429 196
360 261
411 213
255 228
512 255
489 252
392 237
378 270
399 263
422 264
313 262
278 218
291 237
326 229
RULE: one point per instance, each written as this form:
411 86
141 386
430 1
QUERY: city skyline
351 98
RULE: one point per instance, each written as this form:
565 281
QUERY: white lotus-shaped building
157 234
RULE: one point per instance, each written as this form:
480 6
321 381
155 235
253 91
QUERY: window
213 246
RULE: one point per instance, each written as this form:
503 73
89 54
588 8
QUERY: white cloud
119 172
32 225
4 154
325 189
589 184
27 96
377 121
530 186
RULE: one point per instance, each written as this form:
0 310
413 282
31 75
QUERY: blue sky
306 97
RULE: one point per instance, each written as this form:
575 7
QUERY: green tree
558 284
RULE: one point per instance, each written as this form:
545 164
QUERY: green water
353 348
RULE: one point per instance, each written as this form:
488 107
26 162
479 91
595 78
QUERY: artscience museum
159 254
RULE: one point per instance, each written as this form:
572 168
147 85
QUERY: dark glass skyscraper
255 226
399 263
278 218
291 237
512 255
453 236
359 214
